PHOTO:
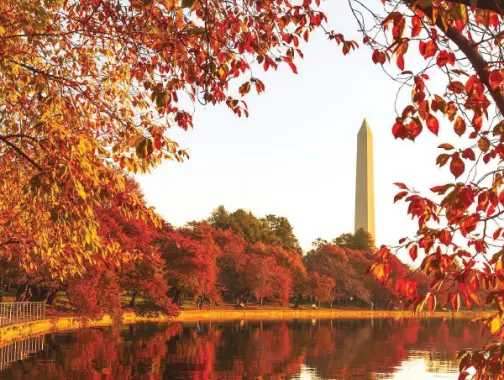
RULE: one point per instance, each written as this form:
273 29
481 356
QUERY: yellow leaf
460 11
495 324
80 190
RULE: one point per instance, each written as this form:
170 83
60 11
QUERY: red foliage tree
332 261
191 261
321 287
96 293
142 274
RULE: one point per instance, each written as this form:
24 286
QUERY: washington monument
364 190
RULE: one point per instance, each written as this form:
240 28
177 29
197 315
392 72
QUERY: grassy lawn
62 305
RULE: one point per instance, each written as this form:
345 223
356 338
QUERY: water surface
325 349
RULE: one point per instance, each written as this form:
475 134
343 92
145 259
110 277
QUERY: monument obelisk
364 190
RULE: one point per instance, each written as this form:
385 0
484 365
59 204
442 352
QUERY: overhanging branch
469 49
20 152
488 5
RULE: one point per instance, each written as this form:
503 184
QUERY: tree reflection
247 350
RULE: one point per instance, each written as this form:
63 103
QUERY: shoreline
25 330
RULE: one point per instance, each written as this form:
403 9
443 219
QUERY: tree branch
9 242
20 152
477 61
488 5
469 49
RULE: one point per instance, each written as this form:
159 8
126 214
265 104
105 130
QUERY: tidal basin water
323 349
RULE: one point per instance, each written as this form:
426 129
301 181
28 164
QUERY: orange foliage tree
88 86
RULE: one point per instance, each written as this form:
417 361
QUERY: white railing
15 312
20 350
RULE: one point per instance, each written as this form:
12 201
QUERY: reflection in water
16 351
305 350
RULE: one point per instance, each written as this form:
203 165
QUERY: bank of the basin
27 329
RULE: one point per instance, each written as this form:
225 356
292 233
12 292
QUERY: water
305 350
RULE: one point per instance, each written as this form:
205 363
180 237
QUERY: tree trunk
133 300
52 297
21 292
261 301
1 288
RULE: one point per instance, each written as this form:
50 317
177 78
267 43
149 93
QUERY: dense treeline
228 258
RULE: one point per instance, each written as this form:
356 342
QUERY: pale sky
295 155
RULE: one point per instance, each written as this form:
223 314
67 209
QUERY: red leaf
469 153
495 79
441 189
445 237
413 252
432 123
497 233
444 58
400 195
501 198
484 144
415 127
375 56
459 126
477 121
400 185
442 159
446 146
474 283
457 166
456 86
400 61
417 26
428 49
292 65
399 131
399 26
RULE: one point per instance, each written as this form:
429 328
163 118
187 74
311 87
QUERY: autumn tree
460 83
191 256
90 86
332 261
287 270
232 263
142 273
321 287
266 279
96 293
